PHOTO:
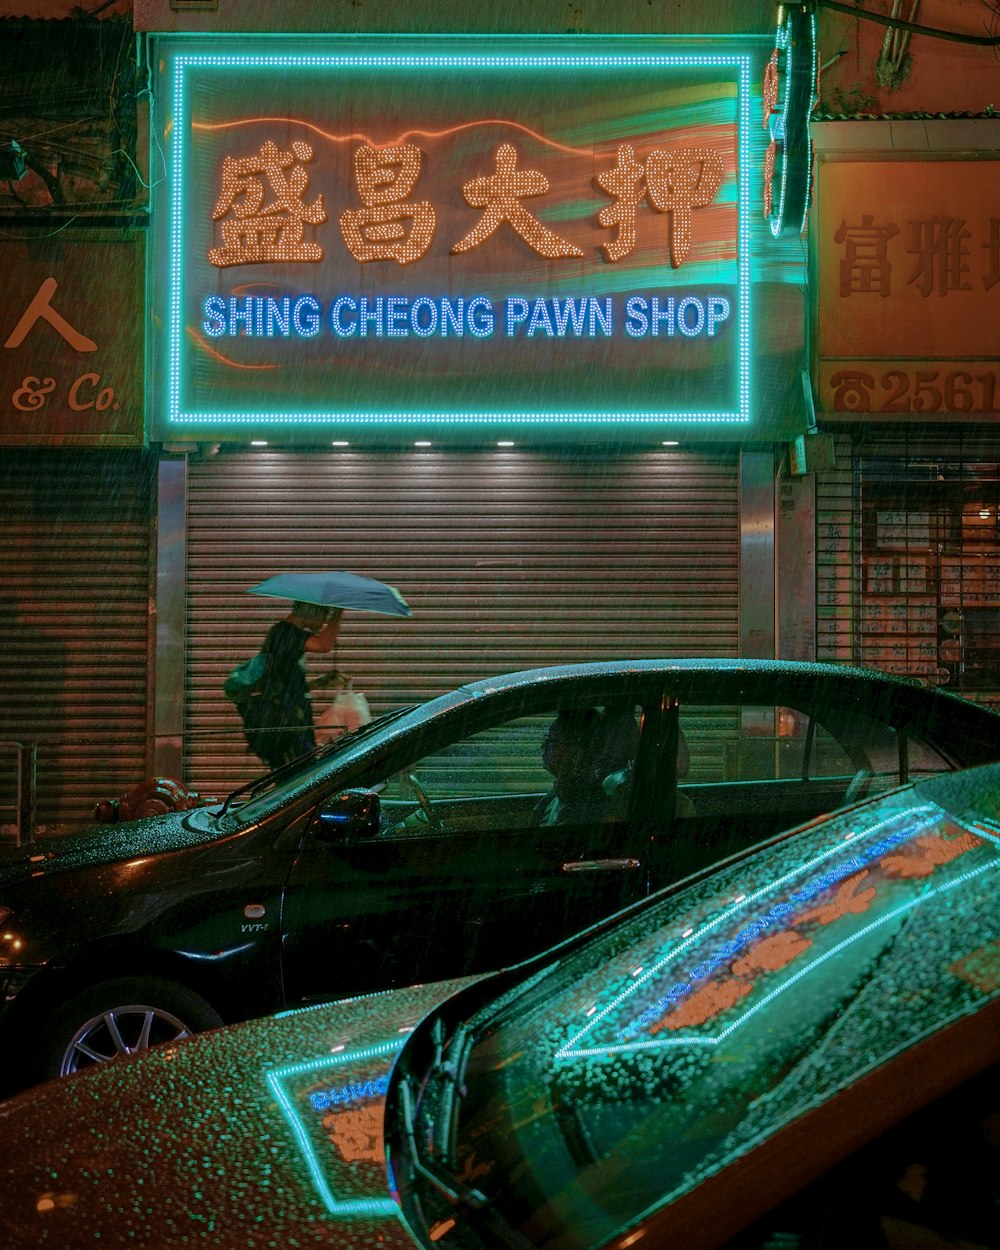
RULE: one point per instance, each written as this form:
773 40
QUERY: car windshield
663 1050
260 797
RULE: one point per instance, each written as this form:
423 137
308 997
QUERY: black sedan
823 1011
461 835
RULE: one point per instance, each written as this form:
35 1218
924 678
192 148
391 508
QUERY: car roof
689 666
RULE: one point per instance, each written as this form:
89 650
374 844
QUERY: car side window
558 766
777 764
758 742
922 760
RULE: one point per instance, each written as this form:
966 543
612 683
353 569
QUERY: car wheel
119 1018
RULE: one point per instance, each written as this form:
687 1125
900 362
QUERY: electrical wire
853 10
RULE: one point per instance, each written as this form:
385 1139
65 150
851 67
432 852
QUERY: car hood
264 1133
108 844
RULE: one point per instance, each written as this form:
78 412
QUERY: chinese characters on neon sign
392 227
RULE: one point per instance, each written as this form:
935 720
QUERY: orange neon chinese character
674 180
771 954
385 177
500 194
849 900
703 1005
769 89
274 232
355 1132
931 852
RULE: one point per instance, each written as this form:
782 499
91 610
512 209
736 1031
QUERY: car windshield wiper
254 787
471 1204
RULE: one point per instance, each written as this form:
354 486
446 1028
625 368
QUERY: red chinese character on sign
673 180
865 268
385 177
273 232
500 195
939 245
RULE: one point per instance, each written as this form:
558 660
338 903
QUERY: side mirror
351 814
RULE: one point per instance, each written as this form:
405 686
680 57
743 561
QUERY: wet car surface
674 1075
433 843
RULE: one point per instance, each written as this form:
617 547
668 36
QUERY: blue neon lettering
571 310
718 312
241 311
215 313
305 316
666 315
540 319
343 331
599 315
480 315
279 317
517 313
398 318
424 328
367 316
452 316
321 1100
683 324
636 321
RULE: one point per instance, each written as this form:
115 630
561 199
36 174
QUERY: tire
116 1018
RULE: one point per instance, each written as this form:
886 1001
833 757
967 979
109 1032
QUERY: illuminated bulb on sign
258 442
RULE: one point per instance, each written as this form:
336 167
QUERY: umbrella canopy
336 590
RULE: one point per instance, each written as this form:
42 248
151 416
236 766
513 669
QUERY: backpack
258 710
245 680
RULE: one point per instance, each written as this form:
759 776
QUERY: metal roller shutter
908 555
75 539
509 559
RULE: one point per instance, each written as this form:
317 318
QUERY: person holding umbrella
309 629
284 728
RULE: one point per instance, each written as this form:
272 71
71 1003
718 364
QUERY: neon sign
865 892
335 1182
790 93
527 234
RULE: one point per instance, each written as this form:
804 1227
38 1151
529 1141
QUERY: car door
470 869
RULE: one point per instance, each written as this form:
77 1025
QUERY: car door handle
600 865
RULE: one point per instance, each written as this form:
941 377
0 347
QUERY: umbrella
336 590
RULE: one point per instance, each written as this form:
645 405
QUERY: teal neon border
740 62
574 1050
345 1208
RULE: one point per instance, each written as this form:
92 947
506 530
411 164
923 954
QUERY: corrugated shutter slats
509 559
75 534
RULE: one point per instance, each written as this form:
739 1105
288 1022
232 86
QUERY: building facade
642 440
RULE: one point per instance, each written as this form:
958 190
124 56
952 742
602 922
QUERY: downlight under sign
481 233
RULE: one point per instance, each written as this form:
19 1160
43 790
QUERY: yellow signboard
908 265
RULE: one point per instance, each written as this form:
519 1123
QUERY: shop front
500 321
906 238
77 525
